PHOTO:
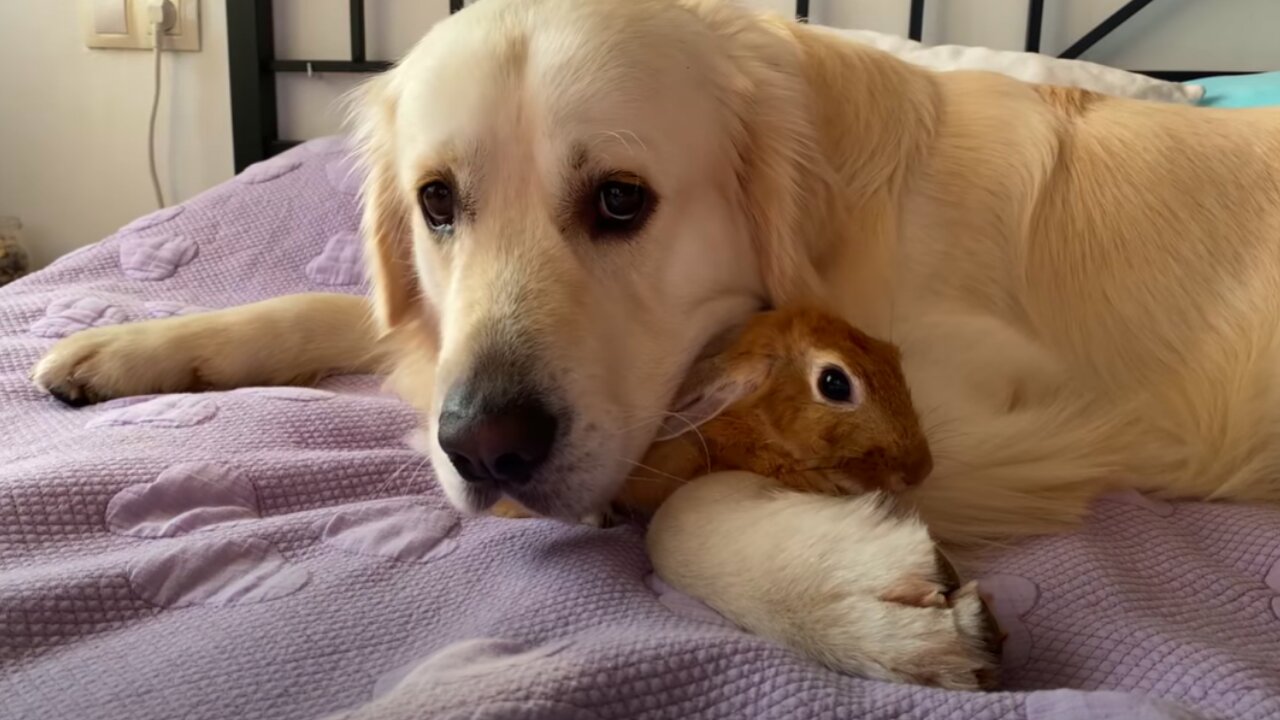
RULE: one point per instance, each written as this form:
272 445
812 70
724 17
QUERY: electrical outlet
103 18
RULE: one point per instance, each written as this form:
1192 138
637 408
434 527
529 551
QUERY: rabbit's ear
711 388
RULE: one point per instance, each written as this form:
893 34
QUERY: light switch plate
110 17
183 36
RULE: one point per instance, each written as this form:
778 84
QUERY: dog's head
566 200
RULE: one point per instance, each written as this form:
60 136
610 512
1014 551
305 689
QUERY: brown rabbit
799 396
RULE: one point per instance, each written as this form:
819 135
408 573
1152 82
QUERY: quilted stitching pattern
185 498
290 394
172 411
344 175
156 257
167 308
339 263
399 531
150 220
68 315
264 172
1012 598
384 604
215 572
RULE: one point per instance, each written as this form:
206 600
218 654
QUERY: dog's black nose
498 443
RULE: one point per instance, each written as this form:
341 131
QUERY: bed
283 553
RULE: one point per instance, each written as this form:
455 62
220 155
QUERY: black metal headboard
255 124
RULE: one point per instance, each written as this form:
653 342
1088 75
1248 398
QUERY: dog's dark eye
620 206
437 203
834 384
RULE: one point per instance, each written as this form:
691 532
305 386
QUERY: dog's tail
1028 472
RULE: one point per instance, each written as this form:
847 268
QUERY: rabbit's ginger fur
774 425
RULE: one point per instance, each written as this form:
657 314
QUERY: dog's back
1099 271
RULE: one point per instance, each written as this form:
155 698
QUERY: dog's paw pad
683 605
156 257
164 411
269 170
216 572
1010 598
339 263
147 222
183 499
408 533
70 315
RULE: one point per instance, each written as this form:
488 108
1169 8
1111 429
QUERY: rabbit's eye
834 384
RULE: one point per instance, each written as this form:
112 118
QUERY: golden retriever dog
568 199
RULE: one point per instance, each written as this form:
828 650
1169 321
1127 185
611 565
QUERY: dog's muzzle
496 428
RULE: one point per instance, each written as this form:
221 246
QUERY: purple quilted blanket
281 553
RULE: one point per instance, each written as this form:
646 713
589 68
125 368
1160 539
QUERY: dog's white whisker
391 484
651 469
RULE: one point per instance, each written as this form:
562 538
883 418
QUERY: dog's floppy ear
823 128
710 388
386 221
783 186
775 198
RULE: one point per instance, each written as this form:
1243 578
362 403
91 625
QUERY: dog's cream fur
857 587
1086 289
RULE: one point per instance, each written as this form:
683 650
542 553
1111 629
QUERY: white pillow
1029 67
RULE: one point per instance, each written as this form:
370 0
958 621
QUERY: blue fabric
1240 91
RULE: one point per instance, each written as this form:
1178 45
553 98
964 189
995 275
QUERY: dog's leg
291 340
844 581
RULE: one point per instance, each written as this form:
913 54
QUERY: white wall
73 120
73 124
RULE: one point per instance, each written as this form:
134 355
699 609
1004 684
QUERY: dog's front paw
962 641
914 633
980 634
96 365
844 581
